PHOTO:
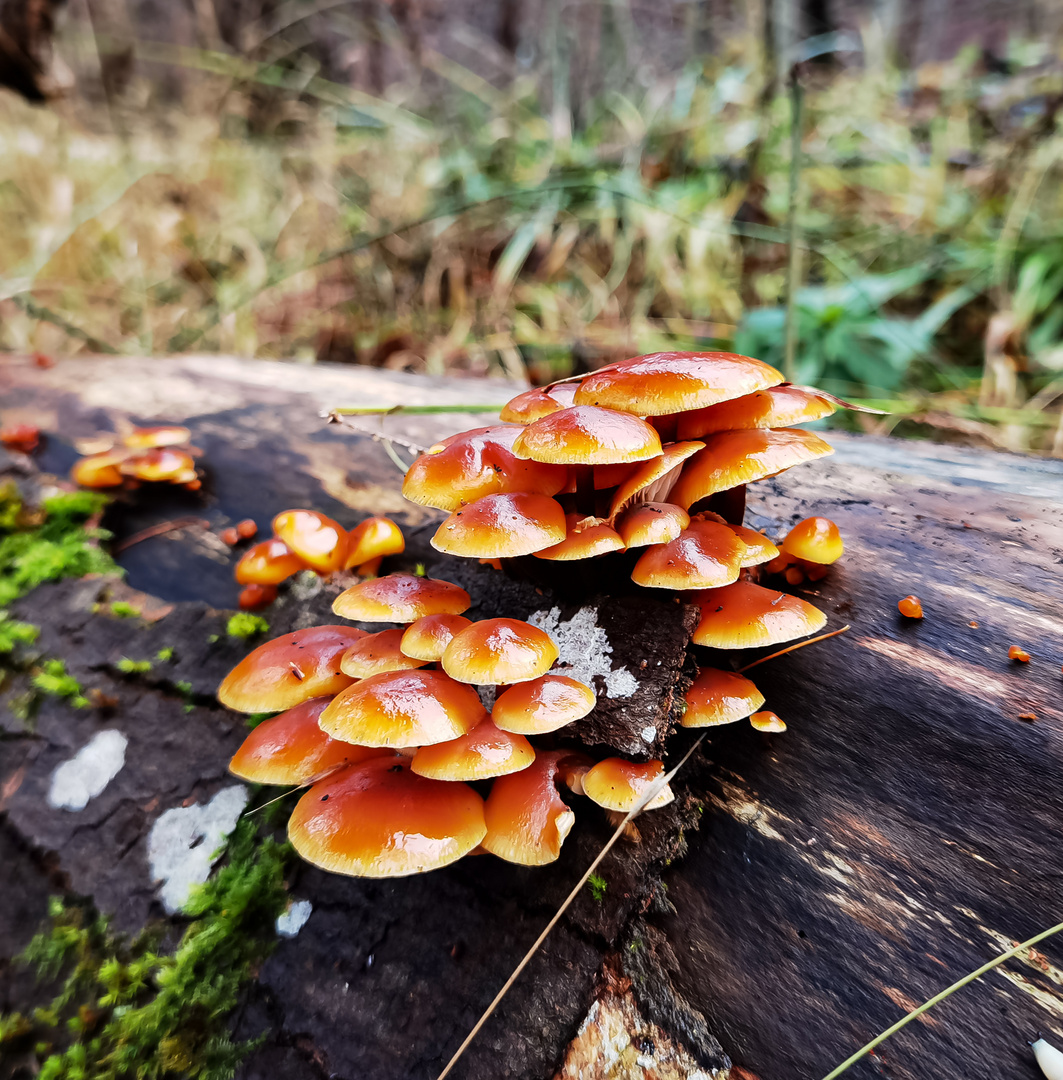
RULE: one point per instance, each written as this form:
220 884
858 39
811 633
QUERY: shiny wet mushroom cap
767 721
379 819
652 523
402 709
536 403
747 616
585 435
98 470
720 697
585 538
148 438
707 554
292 749
542 705
426 638
816 540
484 752
619 784
268 563
498 652
377 653
370 540
290 669
502 527
400 598
162 464
759 549
318 540
775 407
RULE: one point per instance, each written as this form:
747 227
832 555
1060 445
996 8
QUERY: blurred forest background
534 188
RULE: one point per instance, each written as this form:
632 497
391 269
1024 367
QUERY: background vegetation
574 208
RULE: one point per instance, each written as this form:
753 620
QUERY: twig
159 530
794 648
417 410
915 1014
336 416
653 790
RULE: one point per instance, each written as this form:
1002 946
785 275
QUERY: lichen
245 625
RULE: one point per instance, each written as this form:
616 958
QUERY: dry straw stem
652 791
794 648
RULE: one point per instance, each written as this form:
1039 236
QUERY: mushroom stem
585 489
729 504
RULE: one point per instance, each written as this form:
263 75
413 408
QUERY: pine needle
794 648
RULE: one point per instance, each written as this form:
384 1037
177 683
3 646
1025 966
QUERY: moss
124 610
14 633
598 885
51 678
245 625
165 655
128 1009
133 667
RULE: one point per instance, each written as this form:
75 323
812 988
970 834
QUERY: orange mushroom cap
267 563
289 669
468 466
586 435
585 538
377 653
654 479
759 549
484 752
373 538
162 464
706 555
673 382
747 616
148 438
292 749
816 540
318 540
542 705
536 403
253 597
733 458
502 527
403 708
430 635
720 697
777 406
767 721
379 819
99 470
498 652
527 820
400 598
652 523
619 784
23 438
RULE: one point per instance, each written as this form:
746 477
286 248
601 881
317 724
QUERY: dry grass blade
794 648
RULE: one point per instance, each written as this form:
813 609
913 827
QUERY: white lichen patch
585 651
294 919
88 772
184 843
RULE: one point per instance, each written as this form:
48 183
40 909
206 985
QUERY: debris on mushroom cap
542 705
654 479
400 598
290 669
318 540
476 463
587 435
403 708
733 458
585 538
720 697
527 820
21 437
373 538
747 616
377 653
498 652
759 549
619 784
502 527
910 607
164 463
292 749
536 403
379 819
674 382
148 438
816 540
707 554
767 721
777 406
426 638
98 470
484 752
267 563
652 523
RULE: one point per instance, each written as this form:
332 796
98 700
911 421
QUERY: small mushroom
400 598
21 437
775 407
619 785
706 555
163 464
498 652
652 523
267 563
426 638
534 404
379 819
290 669
502 527
99 470
292 749
585 538
377 653
318 540
748 616
542 705
246 529
767 721
910 607
370 541
814 540
484 752
720 697
253 597
150 438
403 709
587 435
759 549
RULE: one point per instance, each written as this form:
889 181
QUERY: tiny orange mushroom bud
318 540
794 575
253 597
246 529
21 437
267 563
767 721
815 540
230 537
1020 654
910 607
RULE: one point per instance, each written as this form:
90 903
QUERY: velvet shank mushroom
720 697
483 752
498 652
400 598
542 705
747 616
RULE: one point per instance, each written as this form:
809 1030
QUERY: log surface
899 834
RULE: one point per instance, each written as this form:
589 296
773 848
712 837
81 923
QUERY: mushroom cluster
651 454
406 768
149 455
308 540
